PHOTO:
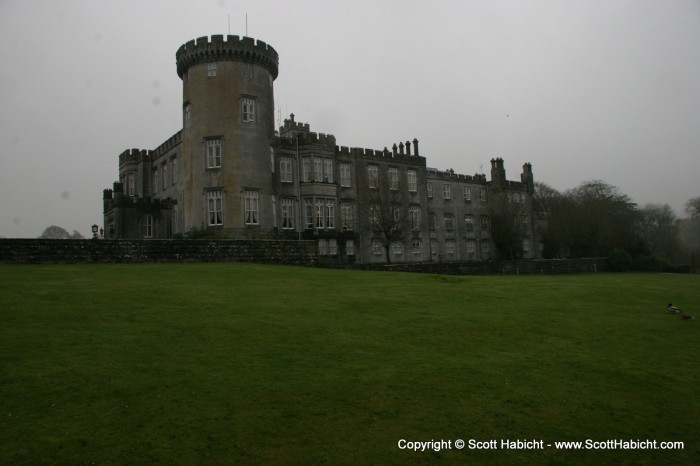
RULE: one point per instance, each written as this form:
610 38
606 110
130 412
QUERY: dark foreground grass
252 364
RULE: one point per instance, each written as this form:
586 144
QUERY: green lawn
258 364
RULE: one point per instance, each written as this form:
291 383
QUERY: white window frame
252 207
393 173
469 222
327 170
373 176
148 226
346 217
287 206
416 246
412 180
449 222
213 152
215 207
482 194
450 246
414 216
377 247
131 183
345 175
467 193
248 109
211 70
397 248
286 170
350 247
446 191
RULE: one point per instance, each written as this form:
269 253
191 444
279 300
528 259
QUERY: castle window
485 247
332 247
215 207
467 193
377 248
322 247
412 181
350 247
450 246
131 184
173 169
430 190
471 246
211 69
306 168
374 216
148 226
482 194
446 191
416 246
164 174
346 216
251 207
414 216
247 70
325 213
433 247
373 176
318 169
286 174
287 214
449 222
432 220
526 246
309 212
187 116
469 222
328 170
394 179
248 109
484 222
213 153
397 248
154 183
345 175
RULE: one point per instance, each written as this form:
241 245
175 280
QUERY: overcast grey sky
582 89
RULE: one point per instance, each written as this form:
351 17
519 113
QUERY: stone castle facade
230 173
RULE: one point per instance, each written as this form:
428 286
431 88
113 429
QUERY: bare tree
385 205
54 232
508 223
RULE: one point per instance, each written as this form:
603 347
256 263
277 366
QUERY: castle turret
228 128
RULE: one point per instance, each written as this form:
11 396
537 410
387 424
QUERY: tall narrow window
306 168
394 179
173 170
450 246
251 207
373 175
482 194
350 247
414 215
215 207
248 109
164 174
309 212
449 222
430 190
211 69
213 153
154 183
346 216
412 181
330 213
416 246
328 170
131 184
148 226
187 116
345 177
286 170
318 169
469 222
484 222
287 214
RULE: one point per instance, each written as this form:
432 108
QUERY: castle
230 173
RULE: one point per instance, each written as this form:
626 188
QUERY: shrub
620 260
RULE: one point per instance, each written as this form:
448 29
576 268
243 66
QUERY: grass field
254 364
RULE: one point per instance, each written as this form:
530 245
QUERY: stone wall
47 251
552 266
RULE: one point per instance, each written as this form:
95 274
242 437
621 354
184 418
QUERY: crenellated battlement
234 48
135 156
450 175
173 141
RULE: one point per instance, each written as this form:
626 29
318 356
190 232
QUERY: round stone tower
228 127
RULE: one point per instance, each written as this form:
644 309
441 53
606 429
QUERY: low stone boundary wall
549 266
66 251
